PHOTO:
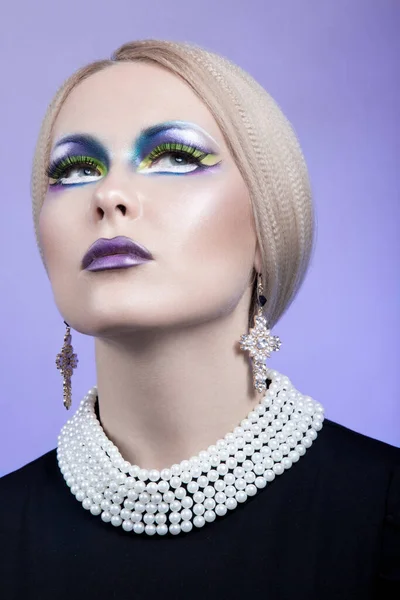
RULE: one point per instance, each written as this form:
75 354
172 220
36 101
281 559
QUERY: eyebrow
94 145
177 124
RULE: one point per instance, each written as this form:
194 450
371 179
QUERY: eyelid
82 145
187 134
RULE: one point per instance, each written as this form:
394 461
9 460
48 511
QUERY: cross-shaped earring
259 343
66 362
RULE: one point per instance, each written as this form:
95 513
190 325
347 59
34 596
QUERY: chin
116 320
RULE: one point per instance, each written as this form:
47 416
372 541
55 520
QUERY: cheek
56 223
212 221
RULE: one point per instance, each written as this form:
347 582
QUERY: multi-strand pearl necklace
275 434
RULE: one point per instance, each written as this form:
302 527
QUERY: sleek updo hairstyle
261 142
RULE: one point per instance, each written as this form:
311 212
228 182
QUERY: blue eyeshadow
170 132
84 145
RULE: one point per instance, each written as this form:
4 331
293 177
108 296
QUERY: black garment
328 528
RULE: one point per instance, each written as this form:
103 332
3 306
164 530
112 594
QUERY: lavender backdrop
332 67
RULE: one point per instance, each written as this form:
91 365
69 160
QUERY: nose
114 199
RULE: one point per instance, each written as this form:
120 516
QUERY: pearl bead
260 482
220 485
198 521
163 486
187 502
186 526
136 517
174 517
160 519
241 496
148 519
251 490
198 509
162 529
186 514
221 510
220 497
127 525
273 436
269 475
144 497
143 474
198 497
154 475
138 527
209 516
240 484
125 514
229 479
192 487
175 505
209 503
169 497
166 474
231 503
152 488
175 528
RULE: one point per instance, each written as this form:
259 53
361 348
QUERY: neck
164 396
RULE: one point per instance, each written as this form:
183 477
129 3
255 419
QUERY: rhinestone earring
66 362
259 343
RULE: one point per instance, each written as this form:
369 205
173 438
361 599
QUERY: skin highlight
171 379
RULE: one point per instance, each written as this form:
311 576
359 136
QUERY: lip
116 253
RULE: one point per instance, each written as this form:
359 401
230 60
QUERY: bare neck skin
166 395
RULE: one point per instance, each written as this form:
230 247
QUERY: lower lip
115 261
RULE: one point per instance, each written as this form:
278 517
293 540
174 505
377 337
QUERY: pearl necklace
265 444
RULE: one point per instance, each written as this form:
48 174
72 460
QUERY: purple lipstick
117 253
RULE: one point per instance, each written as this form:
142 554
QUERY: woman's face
135 153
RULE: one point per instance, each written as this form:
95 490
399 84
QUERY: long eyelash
167 147
57 168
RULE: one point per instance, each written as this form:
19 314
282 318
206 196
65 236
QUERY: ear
257 259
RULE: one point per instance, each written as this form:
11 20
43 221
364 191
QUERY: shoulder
339 440
38 472
366 472
358 460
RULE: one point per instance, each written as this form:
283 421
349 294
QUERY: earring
259 343
66 362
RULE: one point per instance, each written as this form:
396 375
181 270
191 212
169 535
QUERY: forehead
120 100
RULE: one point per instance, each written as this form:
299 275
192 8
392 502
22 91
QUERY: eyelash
194 153
57 169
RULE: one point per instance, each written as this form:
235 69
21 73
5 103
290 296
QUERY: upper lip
116 245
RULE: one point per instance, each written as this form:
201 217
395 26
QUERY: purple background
332 67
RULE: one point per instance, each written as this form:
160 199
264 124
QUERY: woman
172 160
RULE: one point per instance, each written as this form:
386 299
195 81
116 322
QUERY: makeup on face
170 148
120 252
76 153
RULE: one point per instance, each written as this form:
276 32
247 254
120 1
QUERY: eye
74 170
174 161
176 158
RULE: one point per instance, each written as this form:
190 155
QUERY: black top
327 528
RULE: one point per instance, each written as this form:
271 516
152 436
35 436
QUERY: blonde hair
261 142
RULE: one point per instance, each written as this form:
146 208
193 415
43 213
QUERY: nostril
122 208
100 212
